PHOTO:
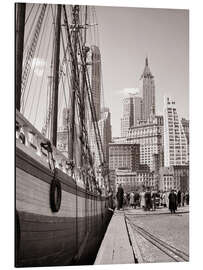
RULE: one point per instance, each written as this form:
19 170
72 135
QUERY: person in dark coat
128 199
172 201
110 199
187 197
182 198
119 196
137 199
153 199
148 200
179 198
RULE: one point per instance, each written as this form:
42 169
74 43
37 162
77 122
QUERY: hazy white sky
127 35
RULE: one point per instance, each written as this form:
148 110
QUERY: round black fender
55 195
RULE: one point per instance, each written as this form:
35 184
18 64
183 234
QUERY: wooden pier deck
116 247
122 243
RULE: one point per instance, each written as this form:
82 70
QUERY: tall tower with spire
148 105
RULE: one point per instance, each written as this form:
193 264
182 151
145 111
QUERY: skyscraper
105 131
175 140
149 135
137 109
148 92
104 125
96 79
185 124
127 119
63 133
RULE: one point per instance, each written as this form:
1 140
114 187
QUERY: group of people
151 199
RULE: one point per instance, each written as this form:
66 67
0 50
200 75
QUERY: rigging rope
75 65
31 52
27 93
60 76
40 89
29 13
35 63
32 25
93 111
46 128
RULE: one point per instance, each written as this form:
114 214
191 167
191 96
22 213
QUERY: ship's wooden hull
43 238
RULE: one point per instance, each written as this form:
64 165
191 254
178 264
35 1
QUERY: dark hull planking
71 236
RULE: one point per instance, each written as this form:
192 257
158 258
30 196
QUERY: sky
127 36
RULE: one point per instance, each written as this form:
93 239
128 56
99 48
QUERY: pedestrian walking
136 199
153 199
119 196
148 199
128 199
182 198
179 198
167 199
125 199
110 199
132 199
164 199
172 201
142 199
187 197
158 199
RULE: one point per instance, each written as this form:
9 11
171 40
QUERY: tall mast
74 75
83 88
20 27
56 78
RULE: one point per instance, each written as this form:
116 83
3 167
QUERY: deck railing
28 135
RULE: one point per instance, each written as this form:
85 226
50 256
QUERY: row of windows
134 179
120 158
177 154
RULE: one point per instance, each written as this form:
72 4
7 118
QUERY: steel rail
171 251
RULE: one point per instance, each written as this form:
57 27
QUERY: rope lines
72 65
31 51
28 16
30 80
34 68
29 30
43 77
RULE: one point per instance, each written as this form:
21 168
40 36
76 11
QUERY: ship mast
74 76
85 50
20 27
54 116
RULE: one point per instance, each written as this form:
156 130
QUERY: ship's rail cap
25 123
28 127
34 141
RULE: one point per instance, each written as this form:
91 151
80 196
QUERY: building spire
146 73
146 61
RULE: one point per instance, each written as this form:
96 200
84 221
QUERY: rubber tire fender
55 195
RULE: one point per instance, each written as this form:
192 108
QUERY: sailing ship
61 208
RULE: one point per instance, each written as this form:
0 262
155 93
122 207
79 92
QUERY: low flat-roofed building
134 180
149 134
174 177
124 155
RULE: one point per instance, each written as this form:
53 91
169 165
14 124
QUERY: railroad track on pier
176 254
